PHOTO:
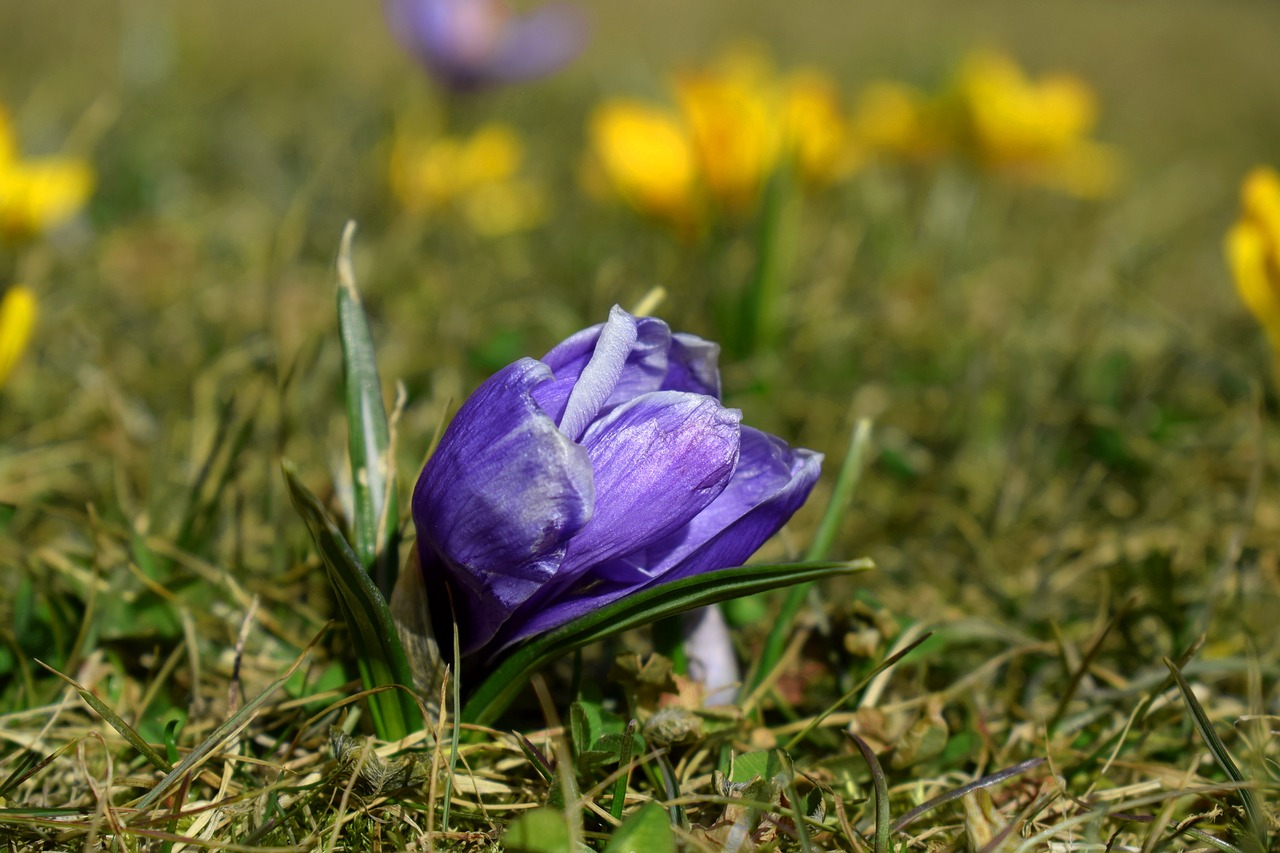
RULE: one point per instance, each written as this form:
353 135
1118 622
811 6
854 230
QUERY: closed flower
17 320
472 44
37 193
1253 249
606 467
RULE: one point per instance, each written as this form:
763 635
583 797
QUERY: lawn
1055 418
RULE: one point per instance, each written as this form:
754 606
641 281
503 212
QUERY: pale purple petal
469 44
454 39
539 43
708 646
498 502
692 365
599 378
658 462
643 370
770 483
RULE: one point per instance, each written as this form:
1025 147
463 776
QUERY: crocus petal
692 365
708 647
470 44
770 482
658 461
539 43
498 502
598 379
594 360
454 39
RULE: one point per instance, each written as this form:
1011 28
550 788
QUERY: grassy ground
1072 479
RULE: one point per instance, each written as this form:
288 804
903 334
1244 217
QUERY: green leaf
646 831
584 725
538 831
1255 828
372 472
761 763
379 653
648 605
113 719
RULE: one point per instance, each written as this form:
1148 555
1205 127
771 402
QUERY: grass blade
113 719
380 655
956 793
881 787
372 471
1257 822
646 606
228 729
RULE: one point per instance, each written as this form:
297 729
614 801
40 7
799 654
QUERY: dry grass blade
1078 675
228 729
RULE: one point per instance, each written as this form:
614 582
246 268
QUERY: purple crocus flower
470 44
607 467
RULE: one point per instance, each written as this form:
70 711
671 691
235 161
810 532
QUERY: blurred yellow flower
40 193
478 176
644 155
816 128
1035 131
17 320
1253 249
734 123
900 120
1032 131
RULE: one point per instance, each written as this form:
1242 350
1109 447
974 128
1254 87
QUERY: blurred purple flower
470 44
604 468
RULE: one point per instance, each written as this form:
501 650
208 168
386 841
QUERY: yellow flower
735 122
1035 131
900 120
645 156
17 320
1253 249
477 175
38 194
816 129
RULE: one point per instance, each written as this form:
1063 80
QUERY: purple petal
692 365
498 502
469 44
541 42
593 359
770 483
598 379
454 39
658 462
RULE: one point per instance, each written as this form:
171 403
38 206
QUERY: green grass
1071 474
